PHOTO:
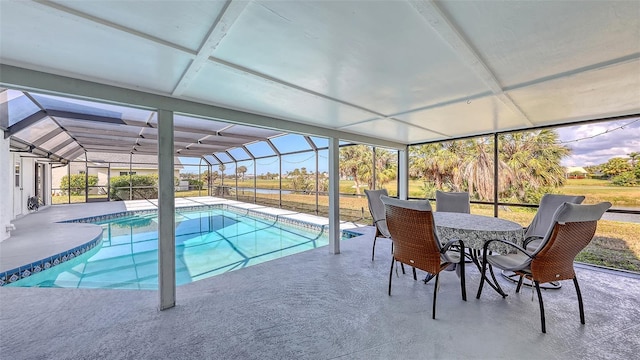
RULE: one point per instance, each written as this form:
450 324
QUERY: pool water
208 242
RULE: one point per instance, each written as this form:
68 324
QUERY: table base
513 277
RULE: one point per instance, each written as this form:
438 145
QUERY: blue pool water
208 242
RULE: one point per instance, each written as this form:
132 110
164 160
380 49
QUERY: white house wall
6 197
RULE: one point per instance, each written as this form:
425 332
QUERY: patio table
474 231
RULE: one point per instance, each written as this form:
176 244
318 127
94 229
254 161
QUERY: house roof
389 73
576 169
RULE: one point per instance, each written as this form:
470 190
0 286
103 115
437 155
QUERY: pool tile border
13 275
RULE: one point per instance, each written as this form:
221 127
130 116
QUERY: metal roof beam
448 32
25 123
229 14
22 78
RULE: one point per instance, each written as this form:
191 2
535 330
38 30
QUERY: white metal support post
166 212
403 173
334 196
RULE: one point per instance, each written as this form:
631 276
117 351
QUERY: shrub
78 183
144 187
625 179
195 184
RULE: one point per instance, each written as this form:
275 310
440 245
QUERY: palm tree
634 156
386 168
356 162
241 170
534 159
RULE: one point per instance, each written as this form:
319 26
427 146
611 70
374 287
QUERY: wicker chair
573 227
542 221
416 244
452 202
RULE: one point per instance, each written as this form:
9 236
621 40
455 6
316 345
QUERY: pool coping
279 215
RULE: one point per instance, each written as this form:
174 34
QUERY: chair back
413 232
376 208
544 216
452 202
572 229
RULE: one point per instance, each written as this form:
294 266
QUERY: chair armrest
460 245
528 240
509 243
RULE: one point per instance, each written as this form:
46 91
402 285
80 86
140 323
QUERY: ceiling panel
390 129
185 23
611 91
466 118
335 64
48 39
526 40
227 87
382 56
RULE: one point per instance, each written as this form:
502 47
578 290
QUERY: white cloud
598 142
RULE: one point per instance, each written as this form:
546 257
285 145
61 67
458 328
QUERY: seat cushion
510 262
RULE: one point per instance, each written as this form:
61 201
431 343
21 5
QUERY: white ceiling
402 71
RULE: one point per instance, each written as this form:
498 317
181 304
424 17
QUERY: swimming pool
209 241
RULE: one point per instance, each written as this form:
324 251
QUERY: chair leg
462 281
495 281
373 252
435 295
575 282
519 284
414 275
544 329
391 274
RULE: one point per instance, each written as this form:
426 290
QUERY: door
97 180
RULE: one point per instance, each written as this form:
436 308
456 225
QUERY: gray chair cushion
544 217
510 262
421 205
452 202
568 212
377 209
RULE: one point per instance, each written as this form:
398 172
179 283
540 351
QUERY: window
17 173
123 173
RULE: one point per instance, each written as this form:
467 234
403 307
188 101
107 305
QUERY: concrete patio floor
315 305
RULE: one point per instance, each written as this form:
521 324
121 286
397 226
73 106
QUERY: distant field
602 190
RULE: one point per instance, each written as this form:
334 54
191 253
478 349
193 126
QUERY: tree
241 170
356 162
222 168
386 168
616 166
634 156
528 165
534 158
300 180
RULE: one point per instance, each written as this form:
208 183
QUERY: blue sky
590 144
